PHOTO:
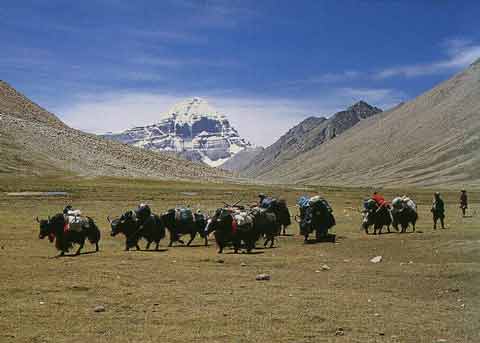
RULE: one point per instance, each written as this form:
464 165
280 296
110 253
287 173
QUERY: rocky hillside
192 129
35 142
306 136
432 140
241 160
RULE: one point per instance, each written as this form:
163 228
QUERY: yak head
221 219
121 224
46 228
367 218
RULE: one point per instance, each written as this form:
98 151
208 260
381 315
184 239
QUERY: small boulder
376 259
99 308
262 277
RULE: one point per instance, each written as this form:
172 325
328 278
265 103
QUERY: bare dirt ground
426 289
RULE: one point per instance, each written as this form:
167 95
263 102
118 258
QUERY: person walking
463 202
438 211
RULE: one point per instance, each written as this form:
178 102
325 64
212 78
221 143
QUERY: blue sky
108 65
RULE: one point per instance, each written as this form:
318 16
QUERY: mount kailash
192 129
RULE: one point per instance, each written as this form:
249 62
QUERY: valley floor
426 289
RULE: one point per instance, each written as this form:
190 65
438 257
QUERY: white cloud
460 54
261 120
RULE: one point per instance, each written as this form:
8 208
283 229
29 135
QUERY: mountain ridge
192 129
306 135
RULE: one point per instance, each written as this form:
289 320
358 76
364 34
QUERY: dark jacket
438 207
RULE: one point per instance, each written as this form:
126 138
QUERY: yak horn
36 218
108 219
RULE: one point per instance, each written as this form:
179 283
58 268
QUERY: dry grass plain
426 289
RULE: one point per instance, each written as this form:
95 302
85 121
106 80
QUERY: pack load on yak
376 213
379 199
142 213
74 220
233 227
401 203
243 218
316 214
404 213
184 215
265 201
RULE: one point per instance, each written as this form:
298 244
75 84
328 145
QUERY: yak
152 229
56 228
404 218
266 224
227 231
316 215
182 222
283 214
378 216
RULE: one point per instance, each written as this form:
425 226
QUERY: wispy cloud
328 78
175 62
460 54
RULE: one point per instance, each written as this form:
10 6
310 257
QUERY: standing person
463 202
438 211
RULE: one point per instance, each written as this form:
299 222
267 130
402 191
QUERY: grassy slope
184 295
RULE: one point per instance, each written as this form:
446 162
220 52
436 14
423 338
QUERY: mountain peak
16 104
191 110
191 128
361 105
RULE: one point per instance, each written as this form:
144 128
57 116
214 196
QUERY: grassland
426 288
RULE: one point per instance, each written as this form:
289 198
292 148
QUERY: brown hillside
33 141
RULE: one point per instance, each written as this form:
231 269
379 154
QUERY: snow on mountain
191 128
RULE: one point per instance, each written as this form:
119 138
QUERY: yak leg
148 245
206 240
413 227
272 242
192 237
80 248
157 244
96 247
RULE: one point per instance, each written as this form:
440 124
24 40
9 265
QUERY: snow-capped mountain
191 128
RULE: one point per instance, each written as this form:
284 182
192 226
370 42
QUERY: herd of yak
232 225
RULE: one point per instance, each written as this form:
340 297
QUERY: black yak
229 230
152 229
56 228
378 216
184 222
